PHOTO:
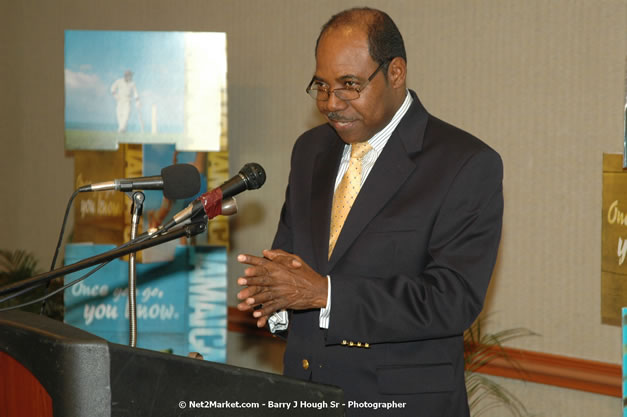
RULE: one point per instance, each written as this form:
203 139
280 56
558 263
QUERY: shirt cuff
278 321
325 313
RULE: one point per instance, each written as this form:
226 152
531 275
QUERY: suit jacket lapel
323 181
391 170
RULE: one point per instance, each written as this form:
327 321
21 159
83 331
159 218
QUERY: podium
48 368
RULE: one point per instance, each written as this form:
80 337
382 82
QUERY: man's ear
397 72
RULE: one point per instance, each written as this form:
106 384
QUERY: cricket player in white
124 91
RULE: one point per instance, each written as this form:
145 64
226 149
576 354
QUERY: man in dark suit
380 284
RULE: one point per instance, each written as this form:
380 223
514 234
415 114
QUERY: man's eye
351 85
319 86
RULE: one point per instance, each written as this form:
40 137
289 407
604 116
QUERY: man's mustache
336 117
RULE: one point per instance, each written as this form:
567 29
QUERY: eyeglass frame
358 90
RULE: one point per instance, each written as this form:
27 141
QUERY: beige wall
539 80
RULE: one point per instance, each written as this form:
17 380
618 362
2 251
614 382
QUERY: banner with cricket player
144 87
136 102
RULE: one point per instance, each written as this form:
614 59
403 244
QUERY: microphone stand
136 212
188 231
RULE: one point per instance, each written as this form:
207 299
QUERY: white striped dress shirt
378 142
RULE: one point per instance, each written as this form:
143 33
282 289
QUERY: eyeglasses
322 93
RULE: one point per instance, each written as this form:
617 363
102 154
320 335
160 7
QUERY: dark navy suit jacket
410 269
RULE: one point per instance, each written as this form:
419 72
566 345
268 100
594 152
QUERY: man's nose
334 103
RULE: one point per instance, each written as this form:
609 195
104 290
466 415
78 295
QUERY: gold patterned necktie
346 192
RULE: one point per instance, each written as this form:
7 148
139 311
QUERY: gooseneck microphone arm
251 177
185 231
136 212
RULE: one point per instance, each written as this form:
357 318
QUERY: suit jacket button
305 364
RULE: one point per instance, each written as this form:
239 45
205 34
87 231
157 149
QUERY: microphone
218 201
251 177
177 181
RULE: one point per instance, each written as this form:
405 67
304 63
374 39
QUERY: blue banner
181 304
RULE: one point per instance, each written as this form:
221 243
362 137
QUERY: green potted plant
18 265
481 348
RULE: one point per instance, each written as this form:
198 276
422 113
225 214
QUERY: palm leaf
479 350
18 265
487 394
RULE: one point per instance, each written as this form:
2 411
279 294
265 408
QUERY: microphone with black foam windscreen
218 201
177 181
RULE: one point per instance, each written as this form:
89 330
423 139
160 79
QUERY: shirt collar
379 140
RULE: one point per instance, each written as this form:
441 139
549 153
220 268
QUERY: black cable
65 217
20 292
59 243
45 297
138 239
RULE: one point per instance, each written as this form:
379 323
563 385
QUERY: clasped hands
279 280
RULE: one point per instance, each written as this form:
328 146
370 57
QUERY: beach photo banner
144 88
